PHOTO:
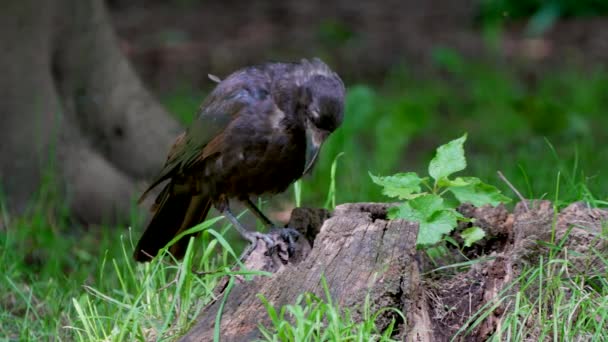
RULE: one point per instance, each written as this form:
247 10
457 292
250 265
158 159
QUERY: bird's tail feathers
173 214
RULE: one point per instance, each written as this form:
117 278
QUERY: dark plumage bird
258 131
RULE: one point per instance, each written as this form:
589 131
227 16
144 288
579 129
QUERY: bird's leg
289 235
248 235
258 213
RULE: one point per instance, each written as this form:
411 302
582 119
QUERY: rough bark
361 253
72 106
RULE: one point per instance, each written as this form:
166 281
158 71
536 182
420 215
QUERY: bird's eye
325 120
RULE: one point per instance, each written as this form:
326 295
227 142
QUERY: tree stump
361 253
357 250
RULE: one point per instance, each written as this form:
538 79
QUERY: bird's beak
314 139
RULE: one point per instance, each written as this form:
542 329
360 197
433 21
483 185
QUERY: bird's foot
280 242
289 236
253 237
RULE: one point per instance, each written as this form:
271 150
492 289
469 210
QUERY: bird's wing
239 92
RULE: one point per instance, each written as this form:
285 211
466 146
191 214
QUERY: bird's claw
290 236
253 237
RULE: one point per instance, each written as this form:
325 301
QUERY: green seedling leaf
472 235
479 194
406 212
459 181
428 204
432 231
418 209
401 185
448 159
437 218
433 217
394 212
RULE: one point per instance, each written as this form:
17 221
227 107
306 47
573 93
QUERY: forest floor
173 45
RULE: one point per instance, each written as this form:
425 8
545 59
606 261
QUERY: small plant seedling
425 201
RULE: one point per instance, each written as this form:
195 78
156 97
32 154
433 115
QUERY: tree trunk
362 254
72 107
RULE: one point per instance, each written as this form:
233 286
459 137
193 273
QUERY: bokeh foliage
528 126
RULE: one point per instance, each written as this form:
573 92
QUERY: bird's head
322 101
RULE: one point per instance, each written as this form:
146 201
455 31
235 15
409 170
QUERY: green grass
566 307
83 285
88 288
312 318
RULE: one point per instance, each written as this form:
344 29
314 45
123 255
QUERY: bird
259 130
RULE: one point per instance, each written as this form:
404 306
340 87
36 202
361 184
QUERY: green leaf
472 235
394 212
427 205
400 185
406 212
421 208
432 231
433 217
458 181
479 194
448 159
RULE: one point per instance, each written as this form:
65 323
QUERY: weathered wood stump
358 252
361 253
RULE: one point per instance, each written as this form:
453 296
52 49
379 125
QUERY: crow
257 132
